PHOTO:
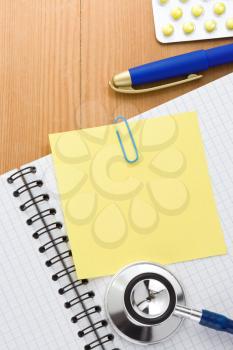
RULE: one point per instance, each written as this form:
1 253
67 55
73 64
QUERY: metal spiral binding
54 242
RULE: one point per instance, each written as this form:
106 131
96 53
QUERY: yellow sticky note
159 209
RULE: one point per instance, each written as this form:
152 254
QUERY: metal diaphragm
140 301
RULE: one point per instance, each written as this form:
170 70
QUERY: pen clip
131 90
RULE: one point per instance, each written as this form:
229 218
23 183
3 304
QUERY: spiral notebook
43 303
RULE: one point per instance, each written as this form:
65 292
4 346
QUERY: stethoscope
145 304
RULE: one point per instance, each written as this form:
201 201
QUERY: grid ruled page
208 283
32 314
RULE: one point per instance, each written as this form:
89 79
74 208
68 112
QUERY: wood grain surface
56 57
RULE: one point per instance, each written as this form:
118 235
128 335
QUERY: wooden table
56 57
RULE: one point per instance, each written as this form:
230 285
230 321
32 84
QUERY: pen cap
220 55
171 67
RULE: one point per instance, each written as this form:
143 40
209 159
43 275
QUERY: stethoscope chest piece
140 302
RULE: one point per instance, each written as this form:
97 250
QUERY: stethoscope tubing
205 318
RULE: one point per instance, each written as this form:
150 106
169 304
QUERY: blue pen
182 65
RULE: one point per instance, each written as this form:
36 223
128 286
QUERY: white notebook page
208 283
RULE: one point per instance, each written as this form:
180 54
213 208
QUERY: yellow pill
184 1
168 29
197 10
219 8
210 25
163 2
188 27
176 13
229 23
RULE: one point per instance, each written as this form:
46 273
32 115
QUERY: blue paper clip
132 140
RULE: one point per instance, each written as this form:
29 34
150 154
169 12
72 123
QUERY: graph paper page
208 283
